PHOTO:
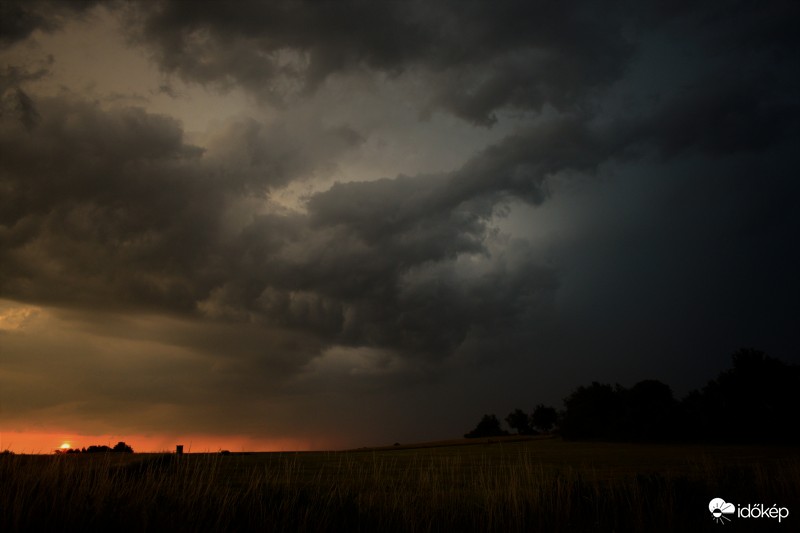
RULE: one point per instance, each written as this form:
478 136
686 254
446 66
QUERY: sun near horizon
47 442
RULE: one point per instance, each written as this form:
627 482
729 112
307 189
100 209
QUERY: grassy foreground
536 485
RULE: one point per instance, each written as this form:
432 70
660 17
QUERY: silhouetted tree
520 421
593 412
649 411
489 426
544 418
122 448
755 401
646 411
752 402
98 449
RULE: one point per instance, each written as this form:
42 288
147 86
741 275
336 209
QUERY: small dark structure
179 449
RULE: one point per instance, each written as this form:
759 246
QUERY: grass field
506 485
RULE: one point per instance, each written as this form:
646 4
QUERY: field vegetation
514 484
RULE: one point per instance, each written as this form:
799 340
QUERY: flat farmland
499 485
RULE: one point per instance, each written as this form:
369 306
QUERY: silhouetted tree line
755 401
119 447
542 420
646 411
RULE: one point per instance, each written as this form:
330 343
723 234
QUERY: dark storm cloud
18 19
480 57
374 262
139 373
677 122
477 58
732 89
377 263
256 158
91 203
517 166
104 192
399 227
727 113
114 207
15 104
19 106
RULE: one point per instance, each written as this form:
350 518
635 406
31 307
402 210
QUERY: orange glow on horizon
46 442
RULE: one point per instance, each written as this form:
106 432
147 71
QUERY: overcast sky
288 224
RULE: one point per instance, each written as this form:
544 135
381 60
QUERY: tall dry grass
370 492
